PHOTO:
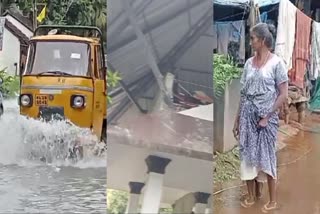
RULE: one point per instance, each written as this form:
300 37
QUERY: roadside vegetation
224 71
11 84
226 165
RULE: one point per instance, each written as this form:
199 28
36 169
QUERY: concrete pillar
153 189
201 202
225 109
135 192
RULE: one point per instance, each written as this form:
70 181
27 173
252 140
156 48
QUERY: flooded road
28 185
298 184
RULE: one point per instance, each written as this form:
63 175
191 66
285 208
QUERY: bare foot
248 202
272 205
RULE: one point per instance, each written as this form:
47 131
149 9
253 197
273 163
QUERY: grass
227 166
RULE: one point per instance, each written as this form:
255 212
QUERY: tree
67 12
70 12
5 5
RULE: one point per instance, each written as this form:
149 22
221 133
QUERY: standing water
56 185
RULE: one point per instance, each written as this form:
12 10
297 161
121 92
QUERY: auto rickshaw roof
66 38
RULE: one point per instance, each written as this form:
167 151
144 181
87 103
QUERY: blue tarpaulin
245 3
231 10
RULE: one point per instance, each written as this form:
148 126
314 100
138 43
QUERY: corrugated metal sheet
179 32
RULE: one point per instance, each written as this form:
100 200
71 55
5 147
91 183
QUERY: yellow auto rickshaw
65 77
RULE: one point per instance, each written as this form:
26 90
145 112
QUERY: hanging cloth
285 32
315 101
315 52
229 33
301 53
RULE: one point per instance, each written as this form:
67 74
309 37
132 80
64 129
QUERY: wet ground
28 185
298 184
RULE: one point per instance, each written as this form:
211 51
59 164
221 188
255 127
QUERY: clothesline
231 16
244 13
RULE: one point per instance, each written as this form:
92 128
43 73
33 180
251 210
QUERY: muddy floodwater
28 185
298 184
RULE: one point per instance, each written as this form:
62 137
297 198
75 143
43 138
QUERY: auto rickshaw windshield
58 57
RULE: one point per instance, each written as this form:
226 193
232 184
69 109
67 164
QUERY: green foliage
166 211
224 71
71 12
113 78
116 201
6 4
11 84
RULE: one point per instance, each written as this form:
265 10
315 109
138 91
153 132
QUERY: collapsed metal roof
149 38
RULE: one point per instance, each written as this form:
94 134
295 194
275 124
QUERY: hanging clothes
315 52
301 53
264 17
315 101
231 39
285 32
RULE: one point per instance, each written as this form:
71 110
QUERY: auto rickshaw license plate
41 100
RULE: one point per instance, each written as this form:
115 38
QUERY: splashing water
25 140
28 185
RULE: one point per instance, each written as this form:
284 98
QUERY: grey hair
265 32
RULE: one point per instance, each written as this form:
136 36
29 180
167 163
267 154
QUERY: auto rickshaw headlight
25 100
77 101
